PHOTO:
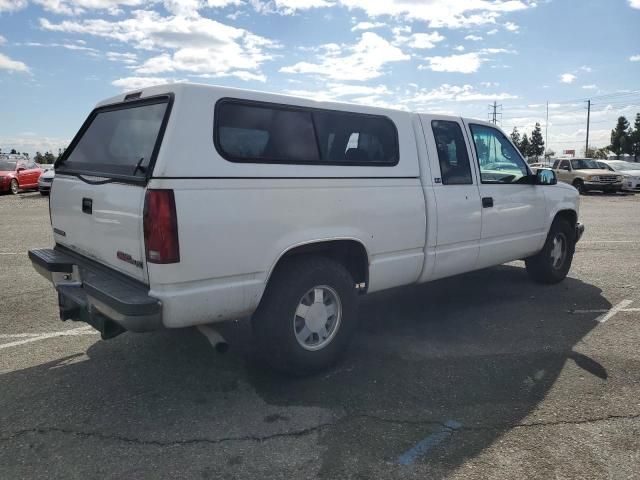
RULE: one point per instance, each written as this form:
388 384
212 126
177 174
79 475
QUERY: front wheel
579 185
306 317
552 263
15 187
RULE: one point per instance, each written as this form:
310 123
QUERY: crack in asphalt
305 431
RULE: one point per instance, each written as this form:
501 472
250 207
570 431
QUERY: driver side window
498 160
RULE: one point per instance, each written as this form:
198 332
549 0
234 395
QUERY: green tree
13 151
48 157
60 153
549 153
620 138
515 136
635 138
525 146
38 158
537 142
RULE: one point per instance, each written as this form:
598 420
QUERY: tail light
161 227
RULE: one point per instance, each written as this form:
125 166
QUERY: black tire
579 185
14 187
542 267
274 322
44 194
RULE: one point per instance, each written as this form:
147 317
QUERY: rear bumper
92 293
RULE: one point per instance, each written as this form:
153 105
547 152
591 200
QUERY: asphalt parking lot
486 375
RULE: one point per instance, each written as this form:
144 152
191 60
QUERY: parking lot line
615 309
86 330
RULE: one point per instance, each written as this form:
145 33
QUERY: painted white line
615 309
597 310
12 253
87 330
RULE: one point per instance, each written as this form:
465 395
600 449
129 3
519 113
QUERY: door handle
87 205
487 202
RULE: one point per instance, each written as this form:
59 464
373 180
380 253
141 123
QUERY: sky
58 58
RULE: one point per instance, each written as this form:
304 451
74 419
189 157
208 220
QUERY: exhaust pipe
218 342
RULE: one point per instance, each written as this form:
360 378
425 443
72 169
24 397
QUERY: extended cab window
118 140
498 159
452 153
260 132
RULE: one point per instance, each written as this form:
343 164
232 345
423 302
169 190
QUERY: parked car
45 181
18 174
290 212
586 175
630 172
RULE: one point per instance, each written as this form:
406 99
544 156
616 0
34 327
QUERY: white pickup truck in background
184 205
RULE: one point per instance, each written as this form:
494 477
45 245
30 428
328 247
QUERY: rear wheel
306 317
552 263
15 187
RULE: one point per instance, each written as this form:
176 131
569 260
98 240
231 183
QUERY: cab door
564 171
457 199
513 208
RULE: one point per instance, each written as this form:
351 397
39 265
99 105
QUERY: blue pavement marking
423 446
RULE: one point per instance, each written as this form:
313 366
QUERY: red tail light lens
161 227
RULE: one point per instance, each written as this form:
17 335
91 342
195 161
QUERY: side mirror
20 169
546 177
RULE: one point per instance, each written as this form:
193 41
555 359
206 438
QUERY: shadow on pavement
482 347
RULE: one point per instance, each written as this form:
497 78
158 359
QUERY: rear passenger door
513 208
457 198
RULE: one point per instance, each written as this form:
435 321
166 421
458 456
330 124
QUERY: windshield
6 165
118 141
583 164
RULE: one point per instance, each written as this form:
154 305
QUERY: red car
18 174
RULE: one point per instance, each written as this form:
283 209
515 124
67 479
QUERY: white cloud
288 7
442 13
31 143
493 31
77 7
128 58
362 61
473 38
12 5
586 68
136 83
192 44
3 40
634 3
69 46
454 93
463 63
512 27
367 26
424 40
567 78
635 58
459 48
589 87
7 63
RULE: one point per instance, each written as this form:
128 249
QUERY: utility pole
586 149
546 133
493 114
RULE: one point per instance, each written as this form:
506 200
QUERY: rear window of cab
259 132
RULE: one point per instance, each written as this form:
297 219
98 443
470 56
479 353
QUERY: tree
549 153
515 136
38 158
620 138
635 138
537 142
48 157
13 151
60 152
525 146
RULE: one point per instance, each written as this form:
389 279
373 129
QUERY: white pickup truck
184 205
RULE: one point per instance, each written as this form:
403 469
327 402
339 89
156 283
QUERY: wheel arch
349 252
570 215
